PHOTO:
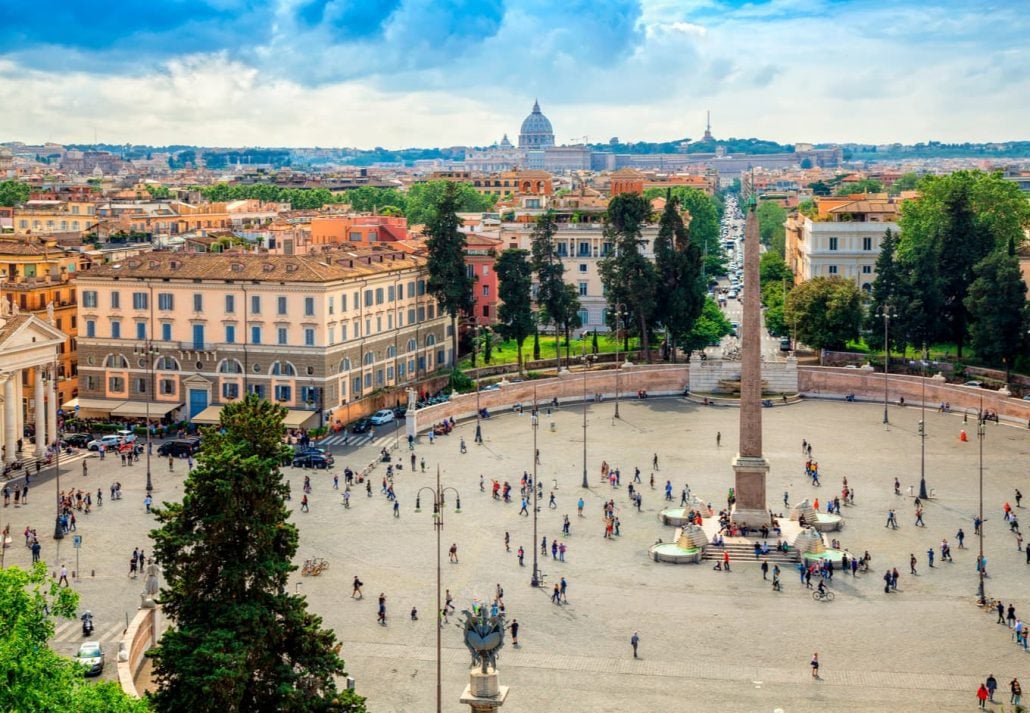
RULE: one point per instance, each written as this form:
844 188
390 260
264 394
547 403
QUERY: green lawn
505 353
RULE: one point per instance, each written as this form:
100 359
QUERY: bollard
92 573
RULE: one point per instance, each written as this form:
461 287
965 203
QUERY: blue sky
451 72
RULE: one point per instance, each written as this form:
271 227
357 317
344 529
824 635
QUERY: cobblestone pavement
709 640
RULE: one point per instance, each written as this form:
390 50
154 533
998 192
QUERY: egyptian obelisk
750 467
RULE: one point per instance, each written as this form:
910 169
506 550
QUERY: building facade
186 333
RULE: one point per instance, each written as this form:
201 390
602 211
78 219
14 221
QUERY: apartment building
841 240
186 333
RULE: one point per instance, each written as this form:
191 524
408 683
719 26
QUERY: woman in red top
981 695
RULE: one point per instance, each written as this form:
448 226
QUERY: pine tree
449 280
239 641
515 281
678 264
550 273
886 290
1000 315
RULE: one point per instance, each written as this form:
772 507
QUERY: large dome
536 130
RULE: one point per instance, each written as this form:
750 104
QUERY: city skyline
413 73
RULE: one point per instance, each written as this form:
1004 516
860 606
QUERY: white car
109 441
732 294
383 416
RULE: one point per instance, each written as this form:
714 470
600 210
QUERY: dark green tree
449 280
865 185
1000 316
423 199
594 346
826 310
13 193
628 276
887 286
680 286
771 217
708 329
536 339
550 274
515 282
240 641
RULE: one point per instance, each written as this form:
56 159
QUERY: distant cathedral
536 130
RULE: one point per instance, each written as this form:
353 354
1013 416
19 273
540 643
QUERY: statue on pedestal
150 587
484 637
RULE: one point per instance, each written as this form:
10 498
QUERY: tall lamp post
981 434
58 530
148 351
620 312
922 437
534 419
438 505
887 315
587 358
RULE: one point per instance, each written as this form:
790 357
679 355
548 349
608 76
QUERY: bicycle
314 567
825 596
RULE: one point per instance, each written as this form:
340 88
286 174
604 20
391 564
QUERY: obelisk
750 467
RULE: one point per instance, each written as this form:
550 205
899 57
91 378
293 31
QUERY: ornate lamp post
922 437
148 351
887 315
58 530
620 313
438 505
981 434
587 359
534 419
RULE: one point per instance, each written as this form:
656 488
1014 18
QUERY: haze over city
462 72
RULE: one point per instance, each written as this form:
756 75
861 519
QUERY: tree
678 265
240 640
886 289
36 679
536 339
709 328
774 280
550 274
771 217
515 281
449 280
594 346
865 185
422 200
628 276
568 316
826 310
997 303
13 193
773 268
905 182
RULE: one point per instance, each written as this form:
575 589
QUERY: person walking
64 576
654 462
303 504
992 685
85 469
521 553
912 564
718 438
765 569
453 553
564 589
892 521
147 502
961 537
171 464
514 627
634 641
579 507
815 665
382 609
507 541
1015 690
356 592
981 696
929 556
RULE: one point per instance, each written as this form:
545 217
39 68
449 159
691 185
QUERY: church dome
536 130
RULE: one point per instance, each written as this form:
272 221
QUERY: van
179 448
784 344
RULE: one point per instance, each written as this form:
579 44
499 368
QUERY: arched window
391 351
412 345
167 363
283 368
345 364
866 287
430 340
116 361
230 366
370 358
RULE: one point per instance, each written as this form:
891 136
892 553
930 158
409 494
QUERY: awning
91 406
138 409
209 416
298 419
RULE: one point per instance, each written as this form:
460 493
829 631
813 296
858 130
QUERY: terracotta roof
325 267
865 207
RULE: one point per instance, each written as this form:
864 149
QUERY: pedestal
484 694
749 491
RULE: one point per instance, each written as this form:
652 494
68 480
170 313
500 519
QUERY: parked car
382 416
179 448
127 436
78 440
91 655
313 460
299 450
109 441
400 412
974 384
784 344
362 425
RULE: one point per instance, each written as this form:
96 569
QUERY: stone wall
139 638
657 380
779 377
868 385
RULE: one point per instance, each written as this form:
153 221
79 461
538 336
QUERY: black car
179 448
362 425
78 440
400 412
313 460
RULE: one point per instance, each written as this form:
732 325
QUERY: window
379 295
343 332
584 317
368 381
91 328
486 310
91 383
116 361
281 333
412 345
343 302
411 316
411 290
116 329
139 300
309 337
309 306
368 298
486 290
255 304
230 366
280 305
867 243
332 336
89 298
833 269
390 294
141 330
166 332
867 269
379 325
141 386
116 300
354 236
167 363
230 304
167 386
432 311
582 267
563 250
230 334
283 392
584 249
198 336
486 269
833 243
115 383
283 368
230 390
332 304
255 335
165 301
198 302
370 358
368 327
582 289
356 385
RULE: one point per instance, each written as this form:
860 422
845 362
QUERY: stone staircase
742 551
28 465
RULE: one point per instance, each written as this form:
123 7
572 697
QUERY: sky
402 73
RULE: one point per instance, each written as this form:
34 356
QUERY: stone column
52 410
750 467
19 399
10 418
40 412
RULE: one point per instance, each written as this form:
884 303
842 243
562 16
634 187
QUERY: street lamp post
438 505
922 437
148 351
58 530
620 312
587 358
887 317
534 419
981 434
